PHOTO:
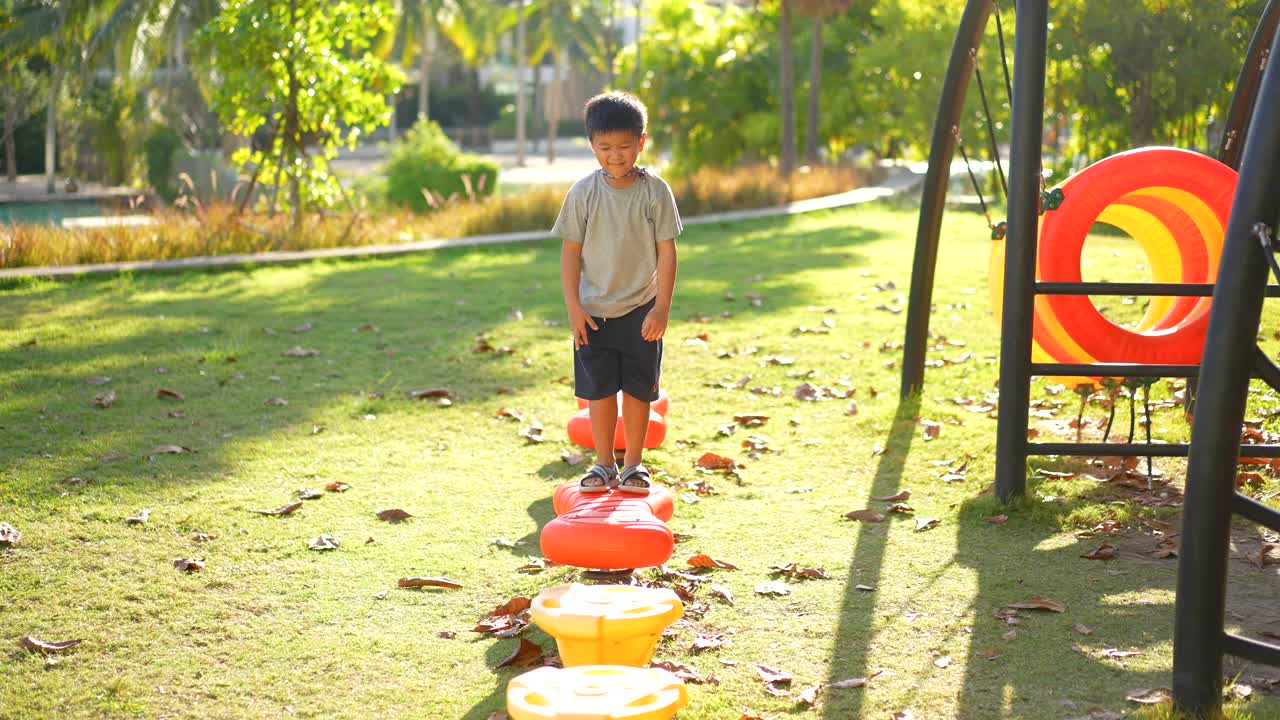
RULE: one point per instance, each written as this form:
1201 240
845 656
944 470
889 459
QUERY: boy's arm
655 324
570 274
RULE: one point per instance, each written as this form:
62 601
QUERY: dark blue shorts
616 357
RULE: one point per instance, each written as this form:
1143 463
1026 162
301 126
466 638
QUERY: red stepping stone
609 531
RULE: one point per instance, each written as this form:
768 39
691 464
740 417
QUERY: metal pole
1029 40
1198 640
1246 88
934 196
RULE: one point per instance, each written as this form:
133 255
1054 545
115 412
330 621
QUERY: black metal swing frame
1250 144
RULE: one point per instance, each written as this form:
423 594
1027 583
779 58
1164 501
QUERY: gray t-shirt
619 231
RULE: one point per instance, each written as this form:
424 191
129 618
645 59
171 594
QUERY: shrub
209 229
160 146
425 163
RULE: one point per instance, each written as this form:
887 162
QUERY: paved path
901 180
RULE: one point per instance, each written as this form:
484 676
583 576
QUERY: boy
618 270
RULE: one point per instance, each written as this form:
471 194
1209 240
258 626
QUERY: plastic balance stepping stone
605 624
609 530
580 424
595 692
580 431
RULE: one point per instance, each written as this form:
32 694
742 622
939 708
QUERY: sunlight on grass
270 624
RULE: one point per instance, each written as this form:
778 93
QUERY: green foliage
425 161
160 146
306 70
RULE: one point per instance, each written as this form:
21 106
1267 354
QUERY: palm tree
42 28
786 87
819 10
19 88
416 39
555 33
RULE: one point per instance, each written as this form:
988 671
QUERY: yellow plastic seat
595 692
606 624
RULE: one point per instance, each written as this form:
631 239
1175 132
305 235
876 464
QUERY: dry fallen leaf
903 496
725 593
707 561
793 570
170 450
323 542
809 696
393 514
105 399
865 516
430 393
930 429
998 519
684 672
170 394
711 461
337 487
775 587
1104 552
572 458
418 582
1152 696
849 683
188 565
1083 629
1039 603
774 678
751 421
299 351
277 402
8 534
282 510
97 380
139 519
527 653
307 494
901 508
708 642
943 661
29 643
926 523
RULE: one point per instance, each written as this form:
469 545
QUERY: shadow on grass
856 620
1040 676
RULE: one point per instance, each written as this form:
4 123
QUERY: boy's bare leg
635 423
604 422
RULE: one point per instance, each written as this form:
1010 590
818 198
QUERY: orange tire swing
1175 203
580 424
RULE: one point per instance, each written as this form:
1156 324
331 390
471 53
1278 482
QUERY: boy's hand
579 321
655 324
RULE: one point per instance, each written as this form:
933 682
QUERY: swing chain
1263 232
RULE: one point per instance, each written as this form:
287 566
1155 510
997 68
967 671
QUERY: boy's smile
617 150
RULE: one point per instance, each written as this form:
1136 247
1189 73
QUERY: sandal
634 479
597 479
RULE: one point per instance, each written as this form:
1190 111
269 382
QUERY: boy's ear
643 135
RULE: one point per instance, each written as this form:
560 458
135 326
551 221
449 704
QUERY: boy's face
617 150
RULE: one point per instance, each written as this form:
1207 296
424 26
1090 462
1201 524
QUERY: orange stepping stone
609 531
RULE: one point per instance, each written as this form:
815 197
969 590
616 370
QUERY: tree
786 92
819 10
19 88
557 28
305 70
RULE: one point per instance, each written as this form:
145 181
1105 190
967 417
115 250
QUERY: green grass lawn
271 628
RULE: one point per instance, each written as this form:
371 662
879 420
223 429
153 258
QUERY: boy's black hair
615 110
